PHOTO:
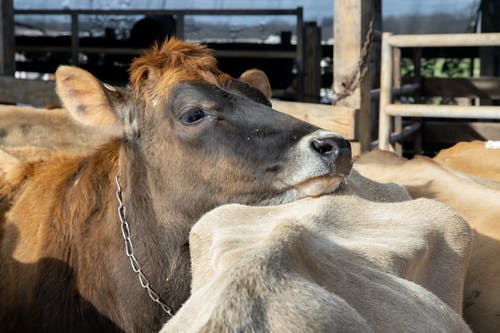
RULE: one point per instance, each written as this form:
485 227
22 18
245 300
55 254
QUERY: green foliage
407 68
440 67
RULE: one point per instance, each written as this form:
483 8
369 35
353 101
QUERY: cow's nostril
335 152
325 147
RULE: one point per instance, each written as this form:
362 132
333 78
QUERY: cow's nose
335 151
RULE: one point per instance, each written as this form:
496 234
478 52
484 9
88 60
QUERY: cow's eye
192 116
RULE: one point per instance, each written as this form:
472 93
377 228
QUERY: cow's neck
158 233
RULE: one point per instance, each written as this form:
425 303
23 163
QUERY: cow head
200 138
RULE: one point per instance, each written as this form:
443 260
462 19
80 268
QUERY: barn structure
295 70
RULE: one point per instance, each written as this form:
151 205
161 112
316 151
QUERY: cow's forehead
179 77
196 91
172 62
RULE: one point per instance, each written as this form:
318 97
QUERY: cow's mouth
317 186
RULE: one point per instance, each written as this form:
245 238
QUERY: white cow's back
337 263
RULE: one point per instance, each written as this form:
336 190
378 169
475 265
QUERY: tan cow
28 153
50 129
479 204
478 158
329 264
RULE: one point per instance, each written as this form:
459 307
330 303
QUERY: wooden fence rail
391 44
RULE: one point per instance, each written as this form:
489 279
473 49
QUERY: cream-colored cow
337 263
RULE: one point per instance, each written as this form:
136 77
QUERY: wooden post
490 63
351 23
179 26
396 83
375 65
312 66
417 138
7 38
384 131
300 54
75 39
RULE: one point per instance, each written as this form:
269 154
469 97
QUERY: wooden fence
391 45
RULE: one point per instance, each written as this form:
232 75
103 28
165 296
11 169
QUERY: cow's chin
312 187
317 186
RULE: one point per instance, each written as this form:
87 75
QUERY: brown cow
424 177
475 158
186 138
338 263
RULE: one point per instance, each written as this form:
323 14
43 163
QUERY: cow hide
337 263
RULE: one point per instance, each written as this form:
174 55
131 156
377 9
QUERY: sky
422 7
313 9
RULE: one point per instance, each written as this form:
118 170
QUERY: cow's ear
87 99
257 79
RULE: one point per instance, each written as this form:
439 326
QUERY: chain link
129 250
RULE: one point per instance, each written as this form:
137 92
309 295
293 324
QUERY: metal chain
129 250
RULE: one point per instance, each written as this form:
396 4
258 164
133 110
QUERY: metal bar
125 50
384 130
75 39
443 111
159 12
120 50
445 40
256 54
405 132
44 48
398 136
406 89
